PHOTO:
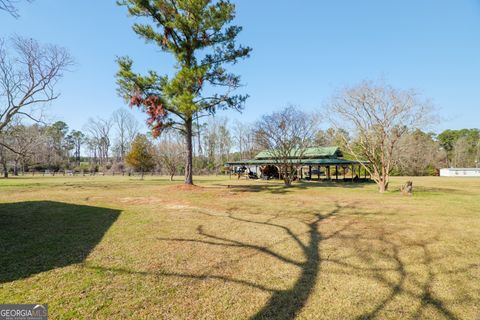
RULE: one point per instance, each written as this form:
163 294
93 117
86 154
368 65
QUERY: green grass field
118 247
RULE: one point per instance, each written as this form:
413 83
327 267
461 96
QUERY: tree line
104 144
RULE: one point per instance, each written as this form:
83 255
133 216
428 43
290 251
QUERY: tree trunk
171 176
142 176
286 176
189 158
15 169
382 185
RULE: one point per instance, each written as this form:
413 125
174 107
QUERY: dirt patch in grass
141 200
186 187
179 207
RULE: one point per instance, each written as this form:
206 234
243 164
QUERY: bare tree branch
170 154
127 129
10 6
98 132
28 77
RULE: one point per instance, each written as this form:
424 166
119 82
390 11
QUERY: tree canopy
457 142
140 156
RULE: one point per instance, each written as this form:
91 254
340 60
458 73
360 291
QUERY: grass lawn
117 247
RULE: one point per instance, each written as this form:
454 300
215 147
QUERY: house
460 172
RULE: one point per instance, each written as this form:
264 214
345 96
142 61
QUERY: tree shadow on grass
283 304
391 247
38 236
375 254
280 188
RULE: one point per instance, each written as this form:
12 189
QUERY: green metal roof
314 152
316 156
312 162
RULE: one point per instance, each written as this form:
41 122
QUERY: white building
460 172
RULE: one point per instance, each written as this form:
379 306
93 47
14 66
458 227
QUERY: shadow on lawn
283 304
280 188
375 254
391 251
38 236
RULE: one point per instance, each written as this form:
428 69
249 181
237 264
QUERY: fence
88 173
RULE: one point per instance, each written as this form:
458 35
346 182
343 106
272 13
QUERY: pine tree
199 35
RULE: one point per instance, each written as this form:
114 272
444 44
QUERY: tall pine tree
199 34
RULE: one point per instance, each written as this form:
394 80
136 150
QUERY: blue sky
302 52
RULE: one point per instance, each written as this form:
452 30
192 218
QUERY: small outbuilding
460 172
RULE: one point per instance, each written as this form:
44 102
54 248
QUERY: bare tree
28 78
378 116
463 153
4 157
418 154
5 151
244 139
286 135
27 141
170 154
92 148
239 132
10 6
127 128
99 138
217 142
331 137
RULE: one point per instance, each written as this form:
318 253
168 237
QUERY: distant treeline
103 144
